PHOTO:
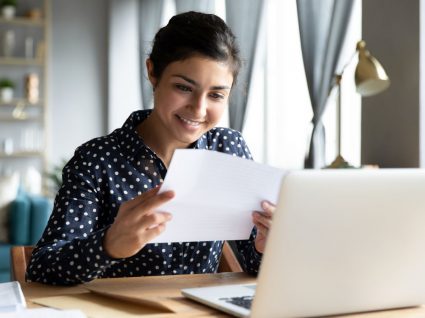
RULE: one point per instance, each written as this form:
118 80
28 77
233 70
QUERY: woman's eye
183 88
217 96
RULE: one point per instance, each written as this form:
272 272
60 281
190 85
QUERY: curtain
124 94
243 17
323 25
206 6
150 15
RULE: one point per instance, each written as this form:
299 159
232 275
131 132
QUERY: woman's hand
137 223
263 221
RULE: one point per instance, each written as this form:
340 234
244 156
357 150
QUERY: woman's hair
193 33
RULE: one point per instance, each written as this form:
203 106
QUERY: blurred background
77 72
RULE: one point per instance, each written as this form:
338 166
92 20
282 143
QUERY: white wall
77 74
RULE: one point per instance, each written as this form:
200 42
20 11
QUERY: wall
77 74
390 121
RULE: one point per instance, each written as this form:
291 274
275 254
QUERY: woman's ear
152 78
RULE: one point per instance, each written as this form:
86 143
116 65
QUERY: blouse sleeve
70 250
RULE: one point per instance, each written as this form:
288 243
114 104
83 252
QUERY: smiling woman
189 100
107 210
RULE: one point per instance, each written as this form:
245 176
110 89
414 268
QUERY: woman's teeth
190 122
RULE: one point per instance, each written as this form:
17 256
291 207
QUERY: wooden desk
162 289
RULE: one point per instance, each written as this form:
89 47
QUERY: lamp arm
348 62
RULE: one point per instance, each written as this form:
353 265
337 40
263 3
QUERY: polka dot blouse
102 174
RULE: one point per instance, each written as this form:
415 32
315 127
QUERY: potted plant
6 90
8 8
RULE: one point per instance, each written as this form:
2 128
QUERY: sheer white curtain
279 110
279 114
124 87
126 55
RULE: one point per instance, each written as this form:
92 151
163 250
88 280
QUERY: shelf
21 154
23 22
21 101
15 120
20 61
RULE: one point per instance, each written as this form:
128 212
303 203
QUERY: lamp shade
370 76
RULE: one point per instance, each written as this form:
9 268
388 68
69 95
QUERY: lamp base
339 163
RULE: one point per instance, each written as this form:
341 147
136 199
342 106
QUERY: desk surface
154 296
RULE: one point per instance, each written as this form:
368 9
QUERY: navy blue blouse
102 174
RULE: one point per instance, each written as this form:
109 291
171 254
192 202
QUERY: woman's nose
199 105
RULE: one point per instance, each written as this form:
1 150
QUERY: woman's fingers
151 204
140 198
152 220
268 208
261 229
260 218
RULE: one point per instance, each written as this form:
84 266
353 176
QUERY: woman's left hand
263 221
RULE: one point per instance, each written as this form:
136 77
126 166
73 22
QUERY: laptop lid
344 241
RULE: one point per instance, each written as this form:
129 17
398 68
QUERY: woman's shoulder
99 145
224 134
227 140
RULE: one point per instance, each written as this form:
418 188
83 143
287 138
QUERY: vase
8 12
6 94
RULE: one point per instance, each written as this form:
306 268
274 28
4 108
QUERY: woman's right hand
137 222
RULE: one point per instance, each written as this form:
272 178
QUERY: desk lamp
370 79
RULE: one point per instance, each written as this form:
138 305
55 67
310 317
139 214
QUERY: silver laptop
342 241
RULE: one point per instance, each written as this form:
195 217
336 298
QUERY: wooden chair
20 257
228 261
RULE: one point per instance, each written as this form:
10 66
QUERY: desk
166 288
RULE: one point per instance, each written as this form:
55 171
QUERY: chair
20 257
27 217
228 261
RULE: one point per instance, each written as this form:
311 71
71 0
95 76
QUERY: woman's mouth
189 122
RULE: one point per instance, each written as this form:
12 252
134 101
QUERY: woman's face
190 97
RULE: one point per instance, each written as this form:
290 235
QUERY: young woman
106 212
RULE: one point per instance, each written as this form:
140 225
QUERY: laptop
342 241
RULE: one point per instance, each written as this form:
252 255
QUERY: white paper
11 297
45 313
216 194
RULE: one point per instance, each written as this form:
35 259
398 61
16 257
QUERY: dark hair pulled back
192 33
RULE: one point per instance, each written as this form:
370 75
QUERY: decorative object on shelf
7 146
31 180
6 90
8 8
40 50
29 47
19 111
32 88
370 79
8 43
34 14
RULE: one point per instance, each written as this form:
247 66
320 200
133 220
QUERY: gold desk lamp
370 79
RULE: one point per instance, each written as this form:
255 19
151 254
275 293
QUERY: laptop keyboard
245 301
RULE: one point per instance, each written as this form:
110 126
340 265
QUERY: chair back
228 260
21 255
20 258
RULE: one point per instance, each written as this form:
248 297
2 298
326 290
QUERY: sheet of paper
11 297
215 195
45 313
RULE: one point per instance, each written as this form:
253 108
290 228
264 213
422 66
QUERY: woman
105 213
